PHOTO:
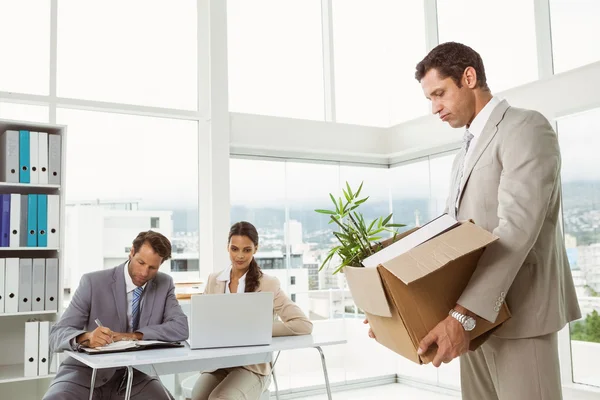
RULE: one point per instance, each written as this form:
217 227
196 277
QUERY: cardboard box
413 283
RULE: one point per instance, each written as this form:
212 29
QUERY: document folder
31 348
4 220
51 300
53 214
2 275
44 348
32 215
54 159
42 220
130 345
33 158
15 220
43 157
39 284
25 284
9 156
24 155
11 285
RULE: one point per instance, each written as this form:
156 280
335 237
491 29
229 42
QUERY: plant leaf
359 189
329 212
385 221
395 225
334 203
349 190
359 202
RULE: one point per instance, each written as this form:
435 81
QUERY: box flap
439 251
428 231
367 290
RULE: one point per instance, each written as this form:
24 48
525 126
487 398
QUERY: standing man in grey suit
506 178
132 301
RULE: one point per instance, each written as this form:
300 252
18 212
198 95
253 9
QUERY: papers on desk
130 345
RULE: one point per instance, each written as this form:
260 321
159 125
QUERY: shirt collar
129 286
482 117
225 276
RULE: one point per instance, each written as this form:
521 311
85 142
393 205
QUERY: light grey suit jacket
102 295
512 188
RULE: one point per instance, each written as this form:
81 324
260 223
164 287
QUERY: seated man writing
132 301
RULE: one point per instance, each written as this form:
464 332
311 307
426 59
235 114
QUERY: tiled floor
391 391
400 391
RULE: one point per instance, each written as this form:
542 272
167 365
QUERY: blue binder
24 155
42 220
32 217
4 221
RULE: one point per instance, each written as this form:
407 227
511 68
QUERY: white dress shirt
129 289
225 276
476 128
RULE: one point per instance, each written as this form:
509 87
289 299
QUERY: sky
375 51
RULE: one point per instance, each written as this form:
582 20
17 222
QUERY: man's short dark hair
450 60
159 243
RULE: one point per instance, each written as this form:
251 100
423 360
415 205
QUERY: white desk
184 359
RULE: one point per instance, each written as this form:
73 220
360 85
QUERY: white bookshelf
14 373
12 325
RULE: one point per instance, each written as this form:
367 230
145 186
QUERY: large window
137 52
579 138
509 55
377 45
574 21
24 112
411 193
24 46
275 58
126 174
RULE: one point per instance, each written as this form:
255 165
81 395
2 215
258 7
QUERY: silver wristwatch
466 321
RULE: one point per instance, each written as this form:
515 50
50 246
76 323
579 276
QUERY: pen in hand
97 321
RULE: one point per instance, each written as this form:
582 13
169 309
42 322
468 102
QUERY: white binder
39 284
43 157
54 155
43 348
33 158
31 348
9 156
2 274
53 220
25 284
11 285
51 300
15 220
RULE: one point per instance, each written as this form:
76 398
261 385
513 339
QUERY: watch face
469 324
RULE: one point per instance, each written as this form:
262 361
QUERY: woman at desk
244 275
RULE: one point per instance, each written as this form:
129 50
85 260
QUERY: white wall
295 138
560 95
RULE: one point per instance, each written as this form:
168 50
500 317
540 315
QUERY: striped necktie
135 308
459 172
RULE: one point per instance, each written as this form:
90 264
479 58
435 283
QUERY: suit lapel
147 304
118 289
488 133
220 286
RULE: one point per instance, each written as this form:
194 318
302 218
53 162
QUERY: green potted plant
357 239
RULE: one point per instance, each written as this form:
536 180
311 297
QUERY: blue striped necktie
135 308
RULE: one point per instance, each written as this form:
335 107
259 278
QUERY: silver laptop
231 320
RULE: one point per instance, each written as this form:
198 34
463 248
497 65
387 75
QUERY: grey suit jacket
102 295
512 188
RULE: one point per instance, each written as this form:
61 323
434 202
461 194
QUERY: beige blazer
512 188
293 321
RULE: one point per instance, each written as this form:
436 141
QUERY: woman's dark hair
254 273
450 60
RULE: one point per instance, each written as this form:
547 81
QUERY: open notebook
130 345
